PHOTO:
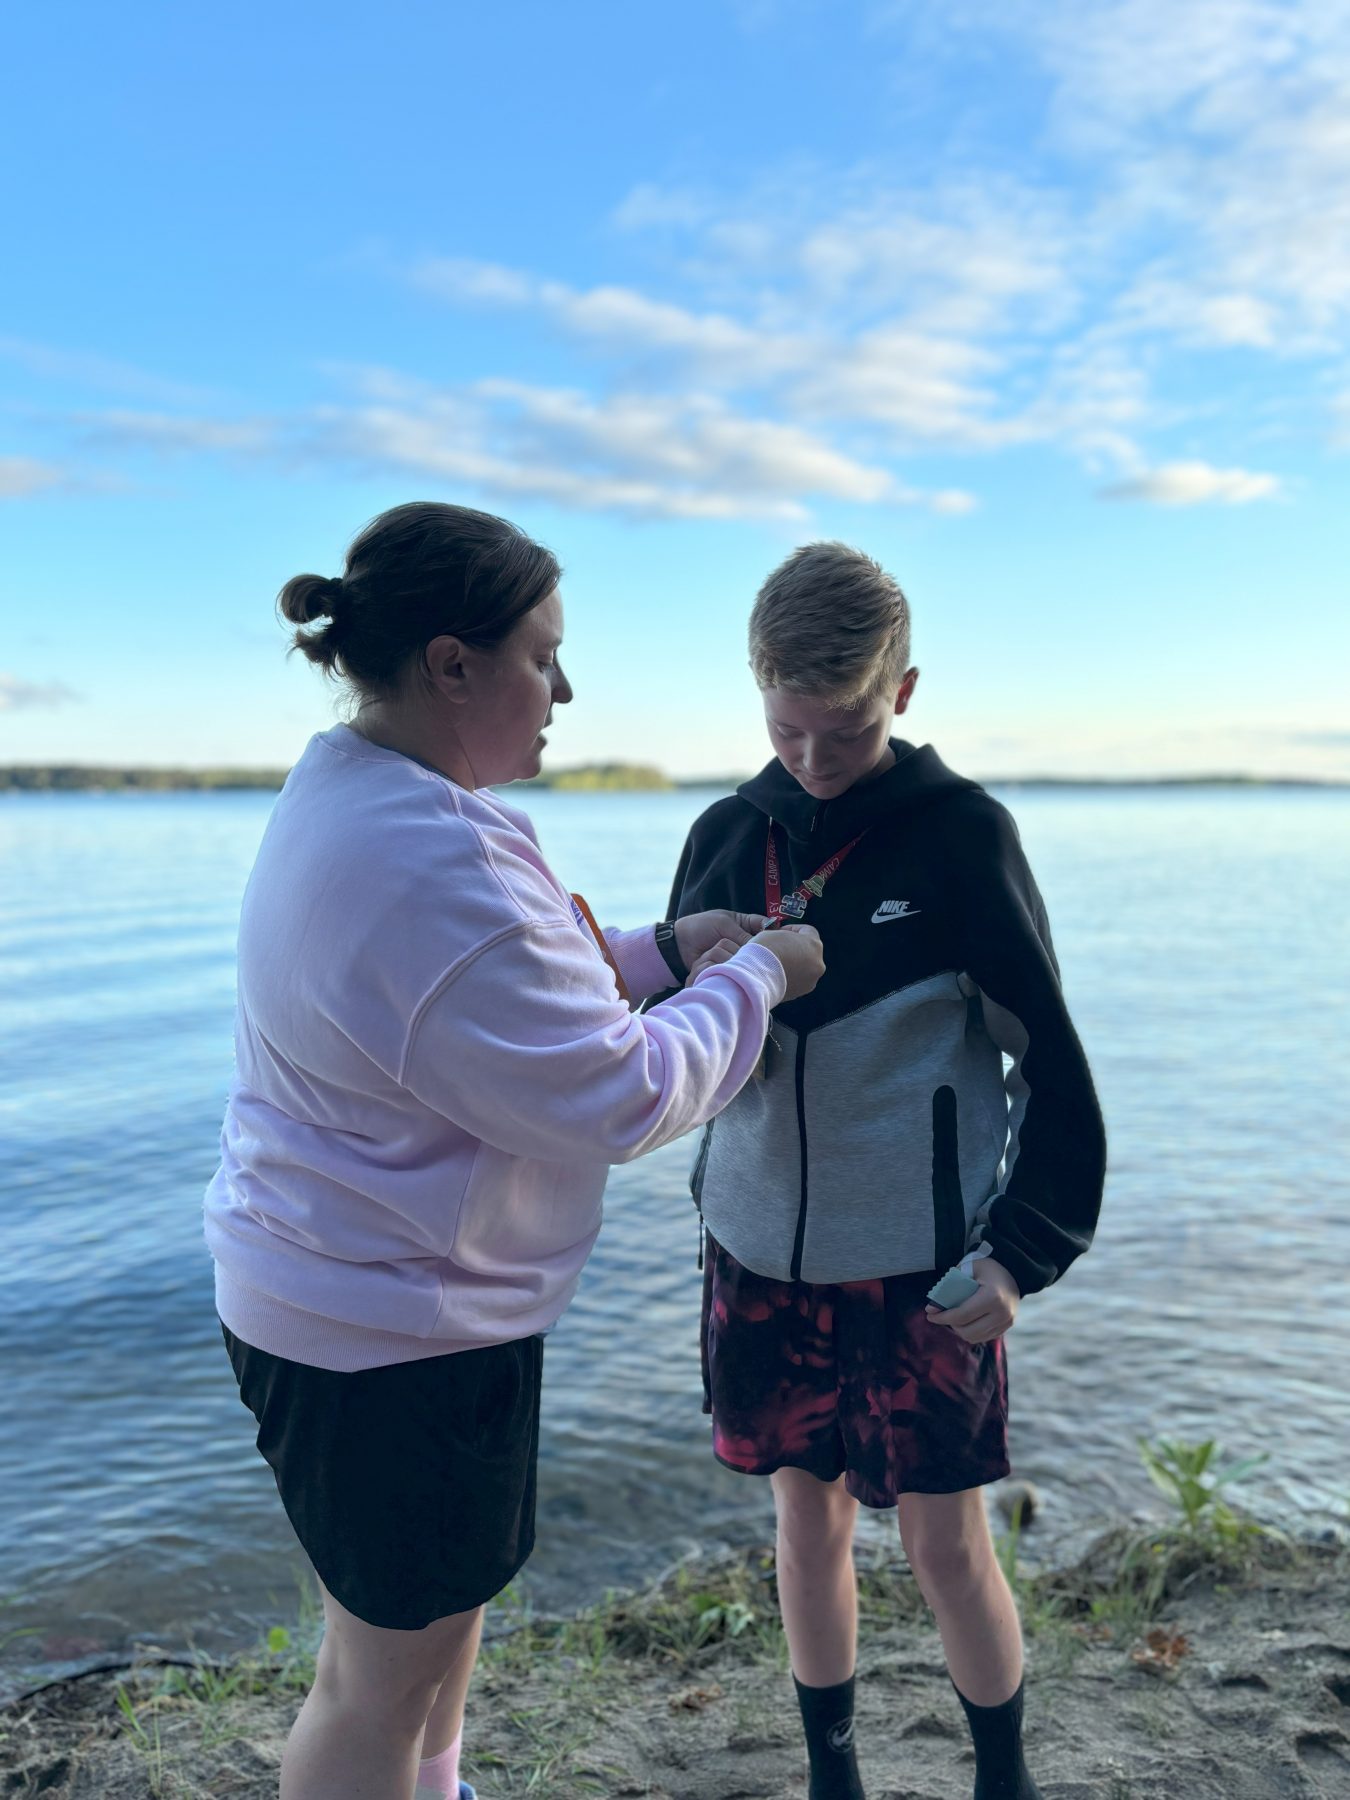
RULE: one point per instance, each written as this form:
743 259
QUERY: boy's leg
818 1595
817 1590
947 1541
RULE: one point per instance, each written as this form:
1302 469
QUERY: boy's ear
906 693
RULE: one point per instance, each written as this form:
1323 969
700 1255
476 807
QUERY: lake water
1205 939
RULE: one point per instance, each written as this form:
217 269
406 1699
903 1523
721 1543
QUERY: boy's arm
1046 1209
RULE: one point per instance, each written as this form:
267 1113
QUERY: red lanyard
793 906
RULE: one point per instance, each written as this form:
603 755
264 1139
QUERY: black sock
1000 1769
827 1714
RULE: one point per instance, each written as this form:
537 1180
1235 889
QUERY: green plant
17 1631
1186 1474
147 1743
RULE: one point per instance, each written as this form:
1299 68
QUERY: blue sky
1046 307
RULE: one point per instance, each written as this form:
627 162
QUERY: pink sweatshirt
434 1069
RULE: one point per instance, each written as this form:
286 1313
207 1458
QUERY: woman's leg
360 1729
817 1590
446 1718
947 1541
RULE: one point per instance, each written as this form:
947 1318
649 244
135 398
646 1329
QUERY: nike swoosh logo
884 915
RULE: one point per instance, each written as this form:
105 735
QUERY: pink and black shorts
848 1379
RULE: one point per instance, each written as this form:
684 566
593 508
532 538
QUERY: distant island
589 778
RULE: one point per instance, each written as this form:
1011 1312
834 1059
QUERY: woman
437 1058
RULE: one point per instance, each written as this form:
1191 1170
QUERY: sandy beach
1233 1685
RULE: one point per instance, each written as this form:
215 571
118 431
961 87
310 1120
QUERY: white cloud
461 278
1170 306
920 383
166 432
691 455
664 456
922 386
649 207
17 695
21 476
1194 484
620 319
1188 188
1223 126
52 362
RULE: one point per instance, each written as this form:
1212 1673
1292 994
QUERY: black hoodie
884 1136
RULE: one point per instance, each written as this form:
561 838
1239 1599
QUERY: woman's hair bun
308 597
417 572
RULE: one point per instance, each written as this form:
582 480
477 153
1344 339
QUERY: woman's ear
446 668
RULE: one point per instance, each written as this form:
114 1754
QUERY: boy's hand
701 931
988 1314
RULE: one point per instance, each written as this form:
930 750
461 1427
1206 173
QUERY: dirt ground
1243 1694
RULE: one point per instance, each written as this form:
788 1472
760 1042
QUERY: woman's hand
988 1314
722 951
797 947
698 933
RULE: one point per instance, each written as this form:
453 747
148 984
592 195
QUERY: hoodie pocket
950 1229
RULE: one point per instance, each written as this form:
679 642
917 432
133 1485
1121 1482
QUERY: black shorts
849 1378
411 1487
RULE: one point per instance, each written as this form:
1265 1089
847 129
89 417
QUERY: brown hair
417 572
830 622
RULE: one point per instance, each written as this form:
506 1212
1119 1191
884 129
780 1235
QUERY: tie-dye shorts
850 1379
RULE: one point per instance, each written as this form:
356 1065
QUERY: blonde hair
831 623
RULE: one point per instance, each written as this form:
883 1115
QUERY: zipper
696 1185
700 1164
949 1207
795 1270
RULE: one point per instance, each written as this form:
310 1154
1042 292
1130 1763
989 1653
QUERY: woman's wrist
668 944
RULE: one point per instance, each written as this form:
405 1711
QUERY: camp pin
793 906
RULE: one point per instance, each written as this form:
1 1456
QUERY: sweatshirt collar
917 777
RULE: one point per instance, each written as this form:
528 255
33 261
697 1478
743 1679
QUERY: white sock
438 1776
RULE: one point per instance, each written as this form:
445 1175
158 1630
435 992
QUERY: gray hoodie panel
868 1084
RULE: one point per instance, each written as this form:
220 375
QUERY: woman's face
510 697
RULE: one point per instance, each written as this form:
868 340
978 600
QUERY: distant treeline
76 778
591 778
605 778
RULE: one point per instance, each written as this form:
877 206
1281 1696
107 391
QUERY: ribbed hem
305 1337
761 965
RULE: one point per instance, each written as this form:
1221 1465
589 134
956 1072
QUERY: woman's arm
528 1047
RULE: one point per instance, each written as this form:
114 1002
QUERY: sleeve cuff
641 963
759 966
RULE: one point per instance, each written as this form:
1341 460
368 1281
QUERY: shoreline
82 779
1191 1662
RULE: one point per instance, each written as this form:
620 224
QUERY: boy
880 1146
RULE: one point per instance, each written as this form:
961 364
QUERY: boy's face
828 749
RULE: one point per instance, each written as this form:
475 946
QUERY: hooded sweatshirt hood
917 777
